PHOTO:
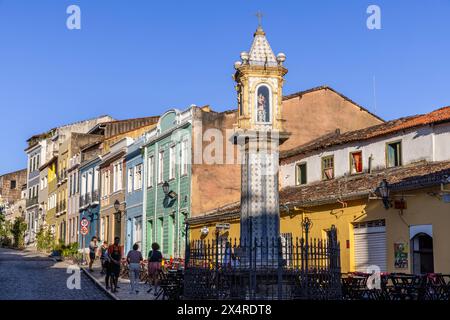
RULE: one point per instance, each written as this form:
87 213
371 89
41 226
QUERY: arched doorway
422 253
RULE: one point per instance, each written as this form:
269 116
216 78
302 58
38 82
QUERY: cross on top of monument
259 15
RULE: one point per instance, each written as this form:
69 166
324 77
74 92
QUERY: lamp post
165 187
306 227
118 213
384 191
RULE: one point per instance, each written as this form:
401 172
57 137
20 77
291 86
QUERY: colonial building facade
134 194
167 196
305 115
12 197
385 188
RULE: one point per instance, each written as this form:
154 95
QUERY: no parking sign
84 226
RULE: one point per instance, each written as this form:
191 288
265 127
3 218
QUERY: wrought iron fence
263 269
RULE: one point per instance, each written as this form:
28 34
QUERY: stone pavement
28 275
123 293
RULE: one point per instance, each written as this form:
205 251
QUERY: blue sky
140 57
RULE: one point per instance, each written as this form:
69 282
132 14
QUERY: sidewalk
123 293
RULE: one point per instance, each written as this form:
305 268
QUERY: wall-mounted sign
222 226
401 255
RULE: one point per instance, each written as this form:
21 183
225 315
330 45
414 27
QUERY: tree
45 239
18 230
5 231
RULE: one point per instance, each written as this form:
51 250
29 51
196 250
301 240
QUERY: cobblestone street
25 275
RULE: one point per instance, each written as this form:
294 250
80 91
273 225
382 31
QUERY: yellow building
69 148
385 188
50 210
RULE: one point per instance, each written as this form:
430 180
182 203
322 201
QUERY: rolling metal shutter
370 245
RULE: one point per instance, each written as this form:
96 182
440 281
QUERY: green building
167 193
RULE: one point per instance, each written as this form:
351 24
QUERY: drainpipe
144 203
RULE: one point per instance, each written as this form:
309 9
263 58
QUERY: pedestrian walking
154 267
103 256
115 256
92 252
134 259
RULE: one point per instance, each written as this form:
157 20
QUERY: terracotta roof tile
414 176
390 127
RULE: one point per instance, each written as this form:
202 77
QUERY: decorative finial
259 15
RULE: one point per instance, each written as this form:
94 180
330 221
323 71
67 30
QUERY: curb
98 284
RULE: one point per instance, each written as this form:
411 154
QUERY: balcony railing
60 207
62 176
95 196
82 201
89 198
31 202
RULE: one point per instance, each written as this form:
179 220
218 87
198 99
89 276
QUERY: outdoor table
405 287
355 286
171 284
436 287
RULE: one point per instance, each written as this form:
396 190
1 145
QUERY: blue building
89 176
134 193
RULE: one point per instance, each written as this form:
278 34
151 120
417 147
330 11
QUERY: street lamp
384 191
306 225
169 193
118 213
165 187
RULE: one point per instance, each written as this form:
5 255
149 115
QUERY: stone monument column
259 132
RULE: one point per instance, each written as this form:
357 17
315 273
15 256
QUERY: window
356 163
102 229
160 234
172 162
103 183
138 177
300 174
328 168
151 171
130 180
38 161
263 104
13 184
184 157
41 184
161 167
117 177
70 181
96 177
114 178
45 182
76 184
83 184
89 181
394 154
107 183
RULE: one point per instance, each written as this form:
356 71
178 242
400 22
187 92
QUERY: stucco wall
218 184
316 113
417 145
307 117
422 208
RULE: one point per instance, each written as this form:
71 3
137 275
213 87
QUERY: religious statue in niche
263 104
